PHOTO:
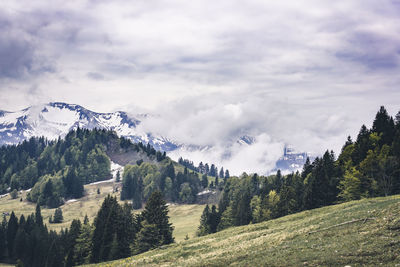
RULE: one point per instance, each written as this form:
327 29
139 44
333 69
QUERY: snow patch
100 182
207 191
115 167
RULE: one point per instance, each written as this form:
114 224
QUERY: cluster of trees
205 168
115 233
58 216
150 151
27 241
118 233
56 170
139 181
368 167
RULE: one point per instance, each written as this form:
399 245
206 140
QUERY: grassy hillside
365 232
185 218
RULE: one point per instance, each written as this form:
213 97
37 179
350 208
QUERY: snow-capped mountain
57 119
292 160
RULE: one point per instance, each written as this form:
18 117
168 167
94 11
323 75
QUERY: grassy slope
286 242
185 218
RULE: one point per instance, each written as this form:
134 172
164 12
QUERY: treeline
210 170
56 170
139 181
115 233
367 167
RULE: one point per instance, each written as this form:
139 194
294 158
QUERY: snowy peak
57 119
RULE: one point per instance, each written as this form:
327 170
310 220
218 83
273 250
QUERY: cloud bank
306 72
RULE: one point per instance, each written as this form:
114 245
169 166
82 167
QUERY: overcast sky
302 72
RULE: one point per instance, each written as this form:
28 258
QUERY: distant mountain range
57 119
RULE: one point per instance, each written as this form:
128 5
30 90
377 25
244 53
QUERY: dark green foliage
148 237
204 168
12 229
132 184
140 181
59 169
204 227
209 221
204 181
29 243
82 248
113 227
3 238
156 213
58 217
73 184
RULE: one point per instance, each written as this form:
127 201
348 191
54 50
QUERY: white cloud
302 72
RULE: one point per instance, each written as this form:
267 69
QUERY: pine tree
156 213
213 219
148 237
226 219
38 216
86 220
118 177
12 229
3 238
105 224
58 216
221 173
204 227
226 174
204 181
82 246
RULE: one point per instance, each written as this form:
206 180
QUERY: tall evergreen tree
156 213
12 229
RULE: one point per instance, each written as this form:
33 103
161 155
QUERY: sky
306 73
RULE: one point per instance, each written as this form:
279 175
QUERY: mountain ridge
56 119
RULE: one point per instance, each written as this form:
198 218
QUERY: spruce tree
12 229
204 181
156 212
148 237
204 227
227 175
58 216
38 216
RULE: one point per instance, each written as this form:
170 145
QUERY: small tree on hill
118 177
58 216
14 194
156 212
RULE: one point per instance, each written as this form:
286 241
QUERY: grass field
185 218
358 233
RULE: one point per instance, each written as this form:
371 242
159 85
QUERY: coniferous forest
115 233
369 166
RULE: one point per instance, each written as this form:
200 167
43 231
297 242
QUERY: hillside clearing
357 233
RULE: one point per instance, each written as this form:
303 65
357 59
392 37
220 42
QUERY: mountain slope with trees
57 170
367 167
